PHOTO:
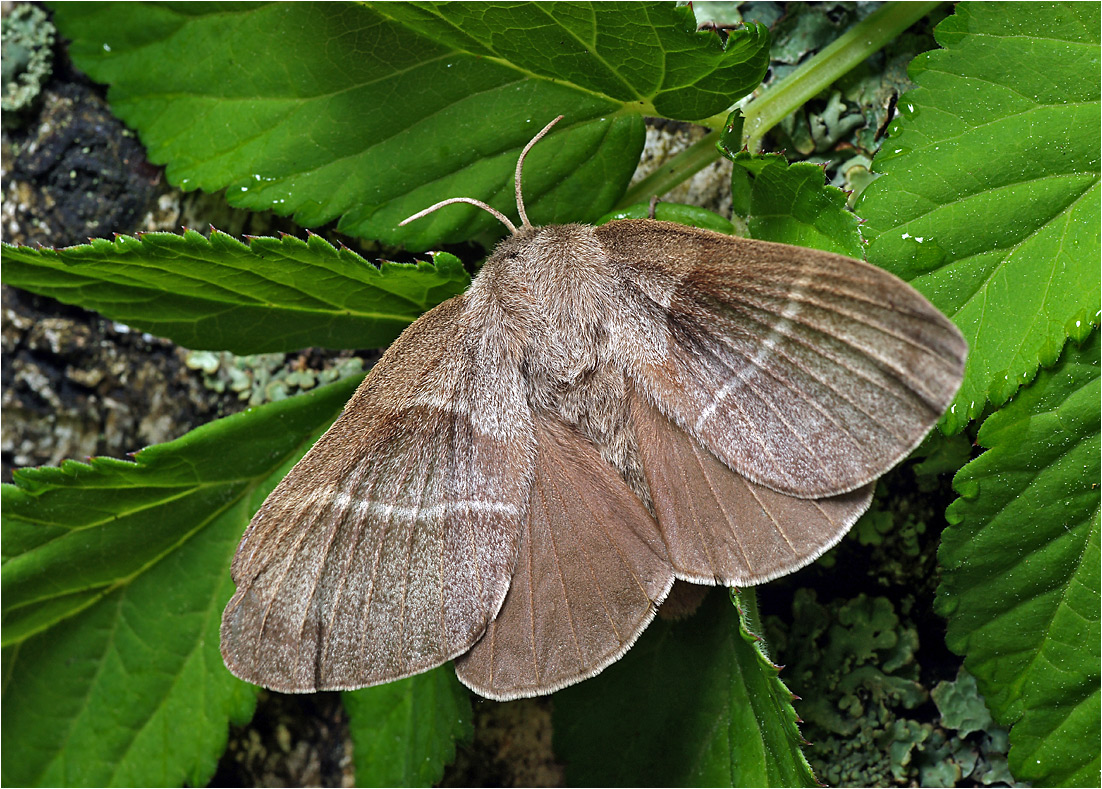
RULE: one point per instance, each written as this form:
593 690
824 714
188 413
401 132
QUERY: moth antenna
520 164
500 216
470 200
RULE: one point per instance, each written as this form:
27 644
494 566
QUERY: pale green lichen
853 664
818 132
942 755
905 527
977 744
866 715
856 176
27 52
263 377
894 527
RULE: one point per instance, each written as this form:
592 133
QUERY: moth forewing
806 372
388 548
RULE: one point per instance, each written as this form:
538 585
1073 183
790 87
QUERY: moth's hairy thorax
555 291
551 300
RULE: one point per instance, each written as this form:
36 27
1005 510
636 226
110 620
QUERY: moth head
513 229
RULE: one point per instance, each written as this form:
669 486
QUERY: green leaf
607 50
989 199
114 579
370 113
791 204
693 703
426 714
1021 571
269 295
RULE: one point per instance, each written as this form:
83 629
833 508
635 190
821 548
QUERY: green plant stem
767 110
843 54
678 169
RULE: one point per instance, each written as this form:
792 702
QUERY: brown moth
528 468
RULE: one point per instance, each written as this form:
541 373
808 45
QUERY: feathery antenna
470 200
